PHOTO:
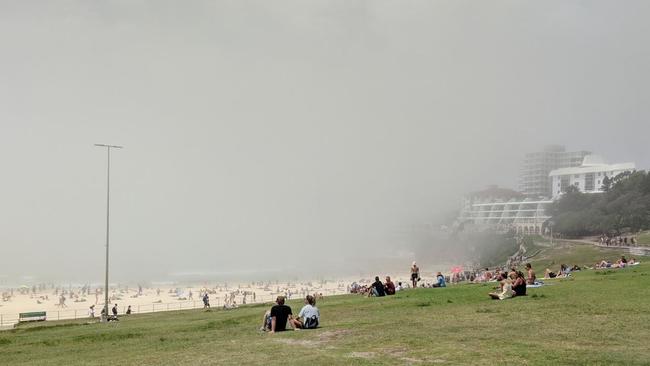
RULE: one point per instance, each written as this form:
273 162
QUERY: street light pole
108 205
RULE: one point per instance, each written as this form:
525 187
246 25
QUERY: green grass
595 317
570 253
644 238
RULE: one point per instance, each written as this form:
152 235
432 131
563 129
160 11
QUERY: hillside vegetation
625 206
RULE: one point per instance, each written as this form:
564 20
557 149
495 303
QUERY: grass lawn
644 238
571 253
595 317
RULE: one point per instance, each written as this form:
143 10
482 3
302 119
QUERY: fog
290 137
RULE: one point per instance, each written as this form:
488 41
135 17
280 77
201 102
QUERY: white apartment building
588 177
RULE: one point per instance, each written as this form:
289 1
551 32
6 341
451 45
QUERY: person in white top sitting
506 291
309 316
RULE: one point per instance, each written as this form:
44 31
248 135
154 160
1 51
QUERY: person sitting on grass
519 284
280 313
377 288
549 274
440 281
309 316
604 264
399 287
486 275
622 262
530 280
505 293
389 286
500 277
565 271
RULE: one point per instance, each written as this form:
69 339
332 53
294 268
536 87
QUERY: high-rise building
534 179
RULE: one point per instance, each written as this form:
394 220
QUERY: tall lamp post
108 204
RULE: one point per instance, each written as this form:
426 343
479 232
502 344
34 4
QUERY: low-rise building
504 209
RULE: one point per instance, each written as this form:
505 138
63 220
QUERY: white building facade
588 177
527 216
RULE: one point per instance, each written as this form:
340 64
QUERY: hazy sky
276 135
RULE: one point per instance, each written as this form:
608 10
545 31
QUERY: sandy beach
70 302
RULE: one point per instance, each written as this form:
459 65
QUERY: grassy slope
593 318
571 253
644 238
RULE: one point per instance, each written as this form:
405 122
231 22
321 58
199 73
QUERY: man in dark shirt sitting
279 315
377 288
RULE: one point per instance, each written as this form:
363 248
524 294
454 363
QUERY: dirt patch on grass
332 335
364 355
299 342
322 338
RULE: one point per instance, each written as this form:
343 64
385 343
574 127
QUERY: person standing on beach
115 310
415 274
206 301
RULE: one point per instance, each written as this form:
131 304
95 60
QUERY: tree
607 184
624 206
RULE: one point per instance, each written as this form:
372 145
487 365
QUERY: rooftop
593 164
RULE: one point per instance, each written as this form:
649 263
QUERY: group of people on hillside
280 315
564 271
617 240
621 263
513 283
379 289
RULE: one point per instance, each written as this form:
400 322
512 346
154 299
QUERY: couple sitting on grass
382 289
511 286
280 314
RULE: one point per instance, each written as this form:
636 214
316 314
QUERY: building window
577 176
